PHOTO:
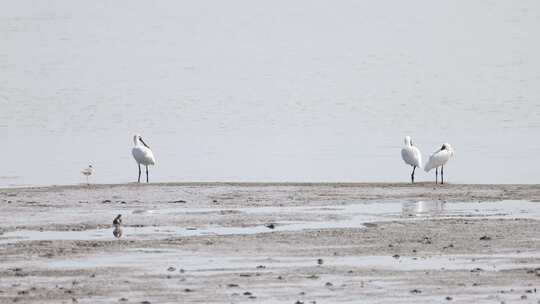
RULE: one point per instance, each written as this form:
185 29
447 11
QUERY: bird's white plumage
88 171
411 155
440 157
142 154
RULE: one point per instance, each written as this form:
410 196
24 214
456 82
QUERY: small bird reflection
117 232
422 208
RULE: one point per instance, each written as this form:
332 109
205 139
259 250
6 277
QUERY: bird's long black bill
142 141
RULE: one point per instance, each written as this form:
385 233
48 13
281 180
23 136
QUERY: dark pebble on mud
271 226
247 293
477 269
416 291
485 238
188 290
320 261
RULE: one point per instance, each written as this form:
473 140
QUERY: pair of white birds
411 156
141 153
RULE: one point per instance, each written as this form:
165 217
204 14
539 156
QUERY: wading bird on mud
411 156
142 154
117 224
439 159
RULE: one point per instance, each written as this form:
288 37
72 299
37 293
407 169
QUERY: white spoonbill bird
87 172
439 159
142 154
411 156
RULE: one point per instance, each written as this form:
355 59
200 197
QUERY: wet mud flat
271 243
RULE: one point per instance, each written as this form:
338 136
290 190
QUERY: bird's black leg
412 174
139 180
436 175
442 175
146 174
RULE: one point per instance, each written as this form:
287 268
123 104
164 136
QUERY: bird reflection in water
422 208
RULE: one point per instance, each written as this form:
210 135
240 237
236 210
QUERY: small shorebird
142 154
117 224
87 172
411 156
117 220
439 159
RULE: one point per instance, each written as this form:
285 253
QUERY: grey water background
268 90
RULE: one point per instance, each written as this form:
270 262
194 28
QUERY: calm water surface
268 90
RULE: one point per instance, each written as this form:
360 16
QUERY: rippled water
268 91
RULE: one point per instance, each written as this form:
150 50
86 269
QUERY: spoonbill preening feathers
411 156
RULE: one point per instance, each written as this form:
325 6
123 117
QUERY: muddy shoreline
271 243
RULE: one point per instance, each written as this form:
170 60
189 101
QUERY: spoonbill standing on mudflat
439 159
411 156
142 154
87 172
